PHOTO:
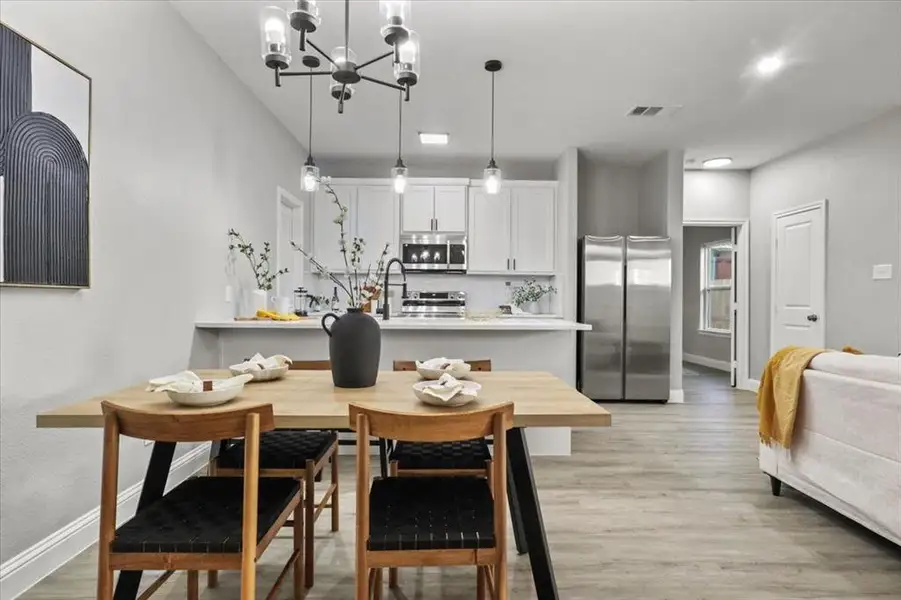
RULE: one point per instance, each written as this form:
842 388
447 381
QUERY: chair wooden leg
309 504
212 579
298 566
104 583
393 578
481 583
193 585
377 585
248 580
500 579
335 515
364 580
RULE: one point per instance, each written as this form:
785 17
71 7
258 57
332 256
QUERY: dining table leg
152 490
519 533
530 507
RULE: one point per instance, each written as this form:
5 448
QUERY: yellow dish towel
780 387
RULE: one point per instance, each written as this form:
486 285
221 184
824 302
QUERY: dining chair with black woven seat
298 453
431 521
222 523
465 457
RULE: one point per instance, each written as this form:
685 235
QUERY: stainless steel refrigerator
625 288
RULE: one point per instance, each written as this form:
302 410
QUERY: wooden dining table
309 400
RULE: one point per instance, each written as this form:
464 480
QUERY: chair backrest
310 365
196 426
446 426
477 365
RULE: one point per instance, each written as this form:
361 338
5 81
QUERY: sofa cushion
869 367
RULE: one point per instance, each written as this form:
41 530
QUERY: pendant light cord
310 131
400 125
346 32
492 116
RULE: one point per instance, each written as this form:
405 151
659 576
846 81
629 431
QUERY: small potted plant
261 268
355 338
528 295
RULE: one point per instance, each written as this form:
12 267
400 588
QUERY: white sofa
846 449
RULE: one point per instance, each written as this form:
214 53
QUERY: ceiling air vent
652 111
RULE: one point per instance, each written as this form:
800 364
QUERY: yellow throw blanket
780 387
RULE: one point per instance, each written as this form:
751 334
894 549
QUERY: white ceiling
573 69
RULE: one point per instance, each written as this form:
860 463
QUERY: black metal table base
154 486
530 509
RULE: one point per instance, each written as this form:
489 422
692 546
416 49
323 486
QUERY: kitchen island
512 344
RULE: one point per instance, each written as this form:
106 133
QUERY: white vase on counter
254 300
533 308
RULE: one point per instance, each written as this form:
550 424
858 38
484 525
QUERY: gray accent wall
181 150
858 173
695 342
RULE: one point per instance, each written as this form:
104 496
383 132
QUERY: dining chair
205 522
298 453
465 457
431 521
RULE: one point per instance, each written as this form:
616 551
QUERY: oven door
424 255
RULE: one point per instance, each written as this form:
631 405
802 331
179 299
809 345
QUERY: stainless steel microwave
434 252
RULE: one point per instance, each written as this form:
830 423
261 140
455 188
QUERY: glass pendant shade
343 59
335 90
399 179
395 12
406 69
491 180
309 178
276 49
306 16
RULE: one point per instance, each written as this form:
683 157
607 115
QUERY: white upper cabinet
377 221
450 208
534 218
514 231
437 208
489 232
418 208
325 231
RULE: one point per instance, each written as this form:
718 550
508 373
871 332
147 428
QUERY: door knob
813 318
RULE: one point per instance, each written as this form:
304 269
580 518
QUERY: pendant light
309 174
491 177
399 172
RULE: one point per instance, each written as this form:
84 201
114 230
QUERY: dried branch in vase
259 265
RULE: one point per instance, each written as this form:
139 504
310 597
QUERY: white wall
694 341
858 172
567 175
181 151
608 197
660 213
717 195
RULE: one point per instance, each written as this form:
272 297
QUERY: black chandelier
345 71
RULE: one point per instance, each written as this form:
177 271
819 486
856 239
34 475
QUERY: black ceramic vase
354 347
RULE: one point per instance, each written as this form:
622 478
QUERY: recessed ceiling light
439 139
718 162
769 65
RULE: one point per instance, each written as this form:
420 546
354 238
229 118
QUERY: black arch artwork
45 182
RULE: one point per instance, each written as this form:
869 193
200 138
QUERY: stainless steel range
434 304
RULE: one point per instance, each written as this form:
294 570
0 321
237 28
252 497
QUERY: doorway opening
714 320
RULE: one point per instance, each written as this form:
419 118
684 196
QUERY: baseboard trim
751 385
677 396
23 571
704 361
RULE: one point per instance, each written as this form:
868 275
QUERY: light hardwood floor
668 504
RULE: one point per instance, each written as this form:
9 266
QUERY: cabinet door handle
436 223
508 264
514 264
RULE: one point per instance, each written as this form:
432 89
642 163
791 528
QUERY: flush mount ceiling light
713 163
769 65
438 139
345 71
491 177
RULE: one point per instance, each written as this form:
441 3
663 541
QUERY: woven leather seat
431 513
281 449
203 515
471 454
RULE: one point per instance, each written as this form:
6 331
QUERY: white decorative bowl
469 393
204 399
265 374
455 370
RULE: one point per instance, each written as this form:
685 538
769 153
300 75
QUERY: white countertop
531 323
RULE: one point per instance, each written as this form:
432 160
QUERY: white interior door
733 312
798 293
418 208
